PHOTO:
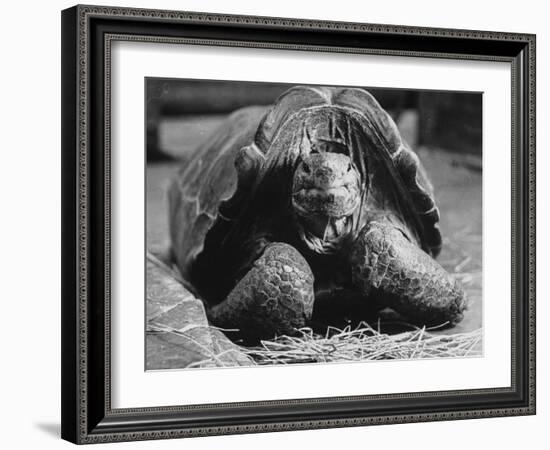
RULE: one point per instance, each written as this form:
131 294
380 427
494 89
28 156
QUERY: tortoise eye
305 167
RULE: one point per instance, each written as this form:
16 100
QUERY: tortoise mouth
335 201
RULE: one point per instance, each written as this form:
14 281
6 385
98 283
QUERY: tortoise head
326 192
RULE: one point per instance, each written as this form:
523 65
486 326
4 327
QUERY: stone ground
178 333
458 187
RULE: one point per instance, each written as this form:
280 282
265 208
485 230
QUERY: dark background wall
448 120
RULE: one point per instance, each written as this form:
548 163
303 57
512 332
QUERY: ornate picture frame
88 33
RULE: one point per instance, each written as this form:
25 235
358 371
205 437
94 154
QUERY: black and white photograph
296 223
275 225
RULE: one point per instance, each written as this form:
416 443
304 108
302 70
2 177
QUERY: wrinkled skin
277 294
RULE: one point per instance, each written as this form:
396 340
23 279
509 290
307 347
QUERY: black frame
87 32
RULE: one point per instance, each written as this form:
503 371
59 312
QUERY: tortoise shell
208 201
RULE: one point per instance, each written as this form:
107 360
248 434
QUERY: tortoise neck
324 235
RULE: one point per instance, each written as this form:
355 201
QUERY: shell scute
205 182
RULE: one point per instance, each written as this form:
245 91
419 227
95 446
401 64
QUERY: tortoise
313 201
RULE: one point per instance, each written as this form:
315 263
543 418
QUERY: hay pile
364 343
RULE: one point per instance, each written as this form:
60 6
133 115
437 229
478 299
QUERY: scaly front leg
389 267
274 297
